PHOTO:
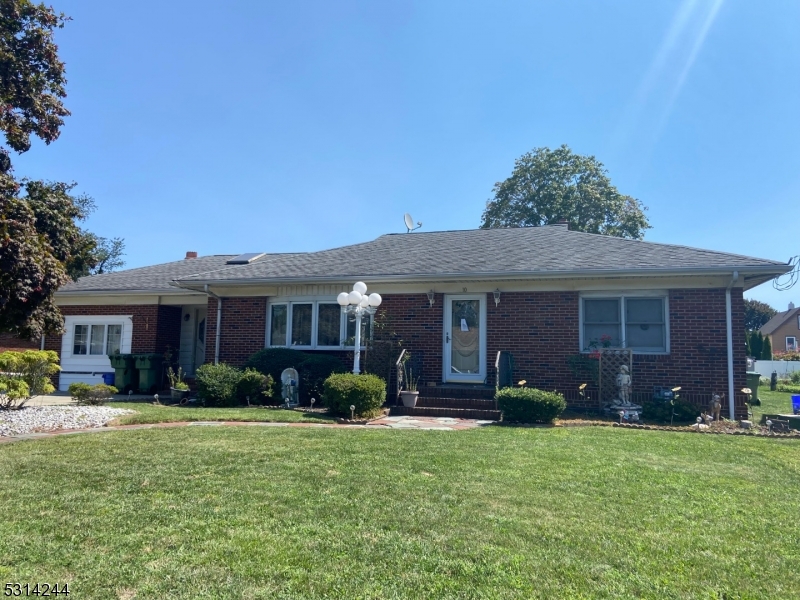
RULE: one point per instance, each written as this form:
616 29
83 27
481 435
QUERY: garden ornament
716 405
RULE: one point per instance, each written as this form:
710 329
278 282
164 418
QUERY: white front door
465 338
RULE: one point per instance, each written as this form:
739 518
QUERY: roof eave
761 273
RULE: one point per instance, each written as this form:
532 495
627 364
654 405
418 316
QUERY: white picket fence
782 367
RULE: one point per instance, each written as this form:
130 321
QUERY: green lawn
147 412
497 512
772 403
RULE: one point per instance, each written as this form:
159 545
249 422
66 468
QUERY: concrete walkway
385 423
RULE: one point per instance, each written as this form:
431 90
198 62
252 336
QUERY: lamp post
358 303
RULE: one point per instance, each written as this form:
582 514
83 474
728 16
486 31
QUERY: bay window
635 321
312 324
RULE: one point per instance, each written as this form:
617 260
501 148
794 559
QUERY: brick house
456 298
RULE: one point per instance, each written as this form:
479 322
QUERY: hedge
217 384
312 368
366 392
529 405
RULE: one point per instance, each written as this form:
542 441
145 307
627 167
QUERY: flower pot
178 395
409 398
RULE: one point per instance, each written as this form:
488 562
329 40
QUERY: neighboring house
456 298
783 330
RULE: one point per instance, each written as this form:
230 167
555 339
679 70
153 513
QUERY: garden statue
624 385
622 403
716 405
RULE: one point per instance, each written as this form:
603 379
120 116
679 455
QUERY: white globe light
360 287
375 300
364 301
342 299
354 298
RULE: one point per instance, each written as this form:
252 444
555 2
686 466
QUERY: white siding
90 368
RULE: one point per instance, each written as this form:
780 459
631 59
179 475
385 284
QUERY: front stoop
440 411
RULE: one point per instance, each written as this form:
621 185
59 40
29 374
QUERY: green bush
313 369
217 384
795 377
26 374
366 392
788 387
661 411
92 395
255 386
529 405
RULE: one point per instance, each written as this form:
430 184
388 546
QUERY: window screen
97 339
601 322
114 344
80 340
301 324
277 334
329 324
644 324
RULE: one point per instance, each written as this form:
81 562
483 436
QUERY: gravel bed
34 419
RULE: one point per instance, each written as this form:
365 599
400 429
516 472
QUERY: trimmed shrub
766 349
789 387
254 385
217 384
26 374
313 369
529 405
661 411
366 392
795 377
91 395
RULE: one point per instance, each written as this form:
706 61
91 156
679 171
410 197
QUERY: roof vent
791 305
191 254
245 259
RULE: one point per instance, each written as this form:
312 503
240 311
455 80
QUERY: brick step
457 391
474 403
453 413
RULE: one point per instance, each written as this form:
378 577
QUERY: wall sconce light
431 298
496 297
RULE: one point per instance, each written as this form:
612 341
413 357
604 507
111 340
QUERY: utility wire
787 280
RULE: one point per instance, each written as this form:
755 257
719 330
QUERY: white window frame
793 346
632 294
93 321
315 301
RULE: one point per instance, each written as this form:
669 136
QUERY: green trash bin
126 377
149 367
753 379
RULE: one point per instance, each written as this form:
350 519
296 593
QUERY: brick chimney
191 254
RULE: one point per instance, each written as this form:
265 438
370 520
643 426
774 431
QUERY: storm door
465 338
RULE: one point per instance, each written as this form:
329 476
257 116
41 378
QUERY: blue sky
228 127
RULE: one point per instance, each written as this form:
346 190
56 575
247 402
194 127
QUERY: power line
787 280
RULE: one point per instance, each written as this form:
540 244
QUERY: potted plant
178 387
410 394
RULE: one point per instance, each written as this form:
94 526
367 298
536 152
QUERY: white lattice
610 362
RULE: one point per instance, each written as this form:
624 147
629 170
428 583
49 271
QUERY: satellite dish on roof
410 223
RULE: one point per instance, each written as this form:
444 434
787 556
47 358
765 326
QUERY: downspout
219 323
729 324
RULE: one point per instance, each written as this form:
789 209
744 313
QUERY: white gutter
219 323
729 324
764 270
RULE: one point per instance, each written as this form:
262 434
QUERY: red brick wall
9 341
541 331
244 329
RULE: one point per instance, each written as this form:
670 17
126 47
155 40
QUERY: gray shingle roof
155 278
778 320
512 251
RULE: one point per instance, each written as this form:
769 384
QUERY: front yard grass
147 412
497 512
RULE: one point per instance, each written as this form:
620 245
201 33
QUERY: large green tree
550 186
42 245
756 314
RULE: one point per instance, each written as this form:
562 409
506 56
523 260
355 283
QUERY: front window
791 344
625 321
96 339
313 324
